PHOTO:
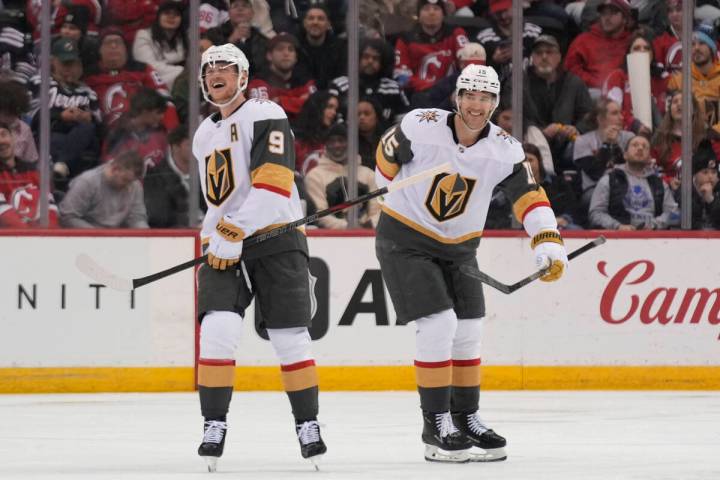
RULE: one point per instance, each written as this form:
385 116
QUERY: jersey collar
451 124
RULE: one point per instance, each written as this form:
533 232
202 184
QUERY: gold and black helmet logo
219 176
449 195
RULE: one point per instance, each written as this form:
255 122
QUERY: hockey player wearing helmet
246 160
427 232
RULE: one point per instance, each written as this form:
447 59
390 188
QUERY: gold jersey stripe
466 376
216 376
427 232
531 199
388 170
302 379
433 377
277 177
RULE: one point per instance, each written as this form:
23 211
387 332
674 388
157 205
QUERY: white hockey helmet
478 78
231 55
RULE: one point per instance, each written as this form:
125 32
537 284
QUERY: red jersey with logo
20 199
425 58
114 89
290 95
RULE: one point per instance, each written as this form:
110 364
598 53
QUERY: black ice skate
490 445
443 441
312 446
213 443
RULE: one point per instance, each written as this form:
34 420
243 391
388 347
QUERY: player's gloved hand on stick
550 252
225 244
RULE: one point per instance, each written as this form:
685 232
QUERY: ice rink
551 435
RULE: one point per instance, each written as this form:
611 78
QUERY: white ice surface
551 435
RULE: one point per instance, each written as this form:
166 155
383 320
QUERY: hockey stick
485 278
92 269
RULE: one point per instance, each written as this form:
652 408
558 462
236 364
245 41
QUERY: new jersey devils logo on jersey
449 195
25 201
219 176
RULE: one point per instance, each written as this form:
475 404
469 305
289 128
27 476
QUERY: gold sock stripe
466 376
216 375
546 236
299 379
433 377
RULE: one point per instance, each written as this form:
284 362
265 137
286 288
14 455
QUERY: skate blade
435 454
316 461
211 464
478 454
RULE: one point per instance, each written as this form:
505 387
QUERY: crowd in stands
118 101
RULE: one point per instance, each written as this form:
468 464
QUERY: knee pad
466 344
220 334
292 345
434 336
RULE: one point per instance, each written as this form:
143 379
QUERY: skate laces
309 432
444 424
476 424
214 431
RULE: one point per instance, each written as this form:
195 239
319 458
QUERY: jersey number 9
276 142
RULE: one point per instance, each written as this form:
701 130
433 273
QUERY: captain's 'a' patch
220 181
449 195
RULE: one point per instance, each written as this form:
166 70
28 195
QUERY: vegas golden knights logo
219 179
449 195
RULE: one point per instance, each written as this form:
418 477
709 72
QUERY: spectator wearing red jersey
594 54
116 78
666 143
617 87
19 187
131 15
668 45
283 81
427 53
58 12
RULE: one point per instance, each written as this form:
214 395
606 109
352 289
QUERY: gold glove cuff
230 232
546 236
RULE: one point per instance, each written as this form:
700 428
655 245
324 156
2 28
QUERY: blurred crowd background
120 93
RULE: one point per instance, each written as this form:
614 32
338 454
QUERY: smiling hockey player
246 159
426 233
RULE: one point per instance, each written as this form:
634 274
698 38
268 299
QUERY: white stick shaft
429 173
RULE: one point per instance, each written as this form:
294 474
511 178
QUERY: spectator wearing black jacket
320 51
239 31
706 193
555 100
375 80
74 112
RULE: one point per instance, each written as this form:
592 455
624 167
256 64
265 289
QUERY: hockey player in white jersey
246 159
426 233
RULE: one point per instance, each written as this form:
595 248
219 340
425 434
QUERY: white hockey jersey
452 207
246 164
